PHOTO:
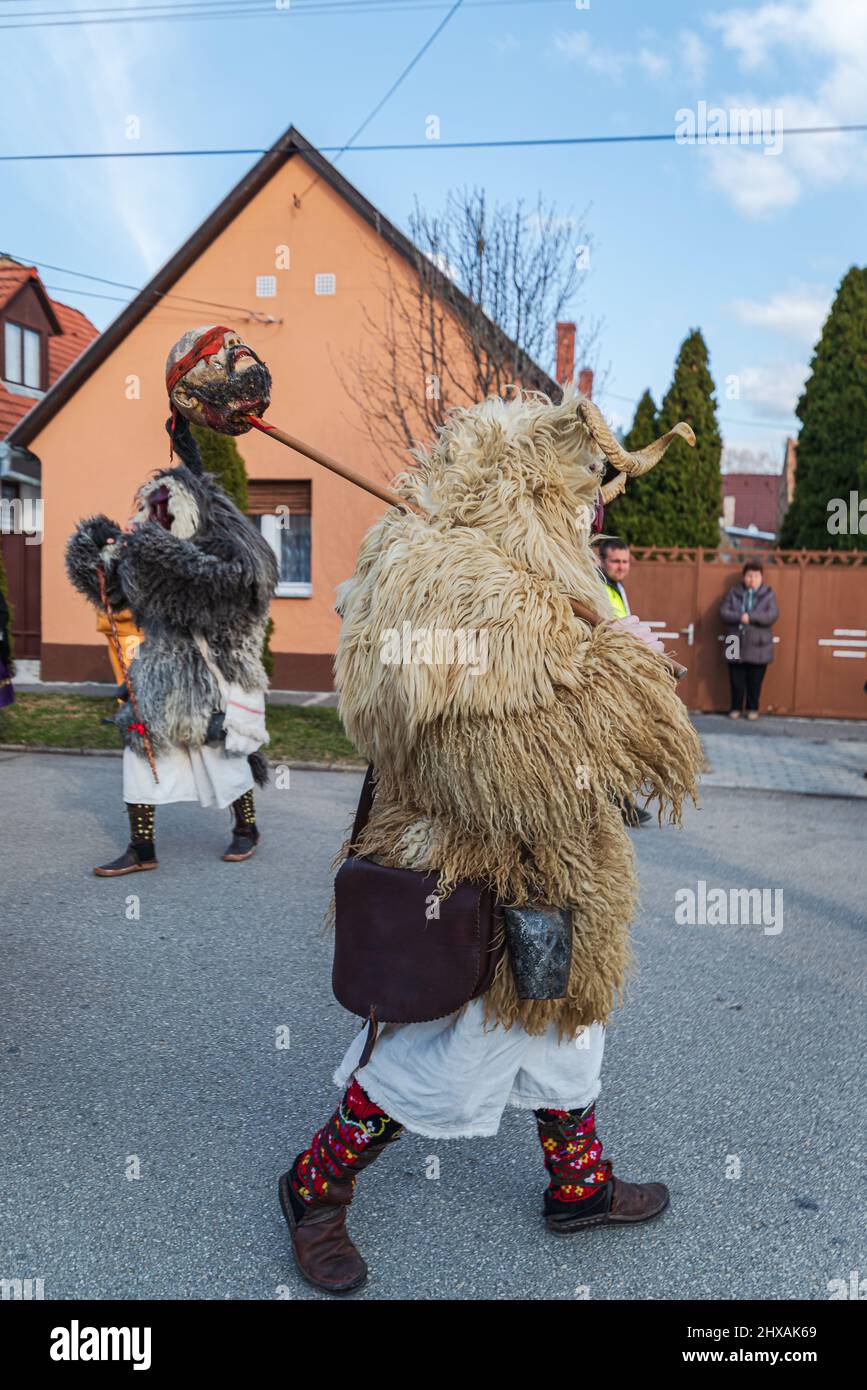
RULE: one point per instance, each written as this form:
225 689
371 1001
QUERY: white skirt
453 1078
208 775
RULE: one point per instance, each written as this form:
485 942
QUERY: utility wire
209 303
204 9
122 285
530 143
416 58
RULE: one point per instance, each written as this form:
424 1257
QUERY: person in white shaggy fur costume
508 770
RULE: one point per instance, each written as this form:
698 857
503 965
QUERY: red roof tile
12 277
755 497
63 348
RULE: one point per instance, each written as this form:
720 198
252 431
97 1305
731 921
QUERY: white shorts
208 775
453 1078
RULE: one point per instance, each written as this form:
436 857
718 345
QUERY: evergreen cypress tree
221 456
832 444
625 516
679 502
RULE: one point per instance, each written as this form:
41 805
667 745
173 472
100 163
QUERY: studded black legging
141 823
245 812
141 818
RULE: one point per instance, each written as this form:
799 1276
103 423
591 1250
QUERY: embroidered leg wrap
573 1158
355 1135
141 829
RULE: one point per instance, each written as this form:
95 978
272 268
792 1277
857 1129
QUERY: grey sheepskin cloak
211 575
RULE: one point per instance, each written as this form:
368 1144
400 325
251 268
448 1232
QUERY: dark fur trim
259 768
83 555
207 582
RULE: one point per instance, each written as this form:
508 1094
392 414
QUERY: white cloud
756 184
797 313
826 40
655 64
87 83
577 47
692 55
657 58
773 390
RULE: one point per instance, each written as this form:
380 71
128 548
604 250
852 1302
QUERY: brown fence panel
820 641
832 640
661 590
24 576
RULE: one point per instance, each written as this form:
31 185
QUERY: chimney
585 382
565 353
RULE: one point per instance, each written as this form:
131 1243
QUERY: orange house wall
101 445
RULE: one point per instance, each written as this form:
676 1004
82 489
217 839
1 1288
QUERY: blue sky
747 245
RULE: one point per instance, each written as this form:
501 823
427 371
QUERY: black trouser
746 678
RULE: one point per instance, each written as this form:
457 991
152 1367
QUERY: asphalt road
148 1045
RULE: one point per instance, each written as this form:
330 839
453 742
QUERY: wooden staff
118 648
394 499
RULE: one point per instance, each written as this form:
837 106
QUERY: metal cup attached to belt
539 940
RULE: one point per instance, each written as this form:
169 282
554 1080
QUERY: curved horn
614 488
633 465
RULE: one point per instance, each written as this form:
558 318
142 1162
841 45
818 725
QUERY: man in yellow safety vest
614 565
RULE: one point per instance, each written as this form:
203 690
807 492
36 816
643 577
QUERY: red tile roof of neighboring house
755 497
76 332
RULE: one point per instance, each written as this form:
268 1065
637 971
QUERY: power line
529 143
204 9
416 58
406 71
122 285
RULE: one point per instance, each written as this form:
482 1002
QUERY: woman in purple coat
749 611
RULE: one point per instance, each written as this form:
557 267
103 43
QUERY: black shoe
135 860
244 844
635 816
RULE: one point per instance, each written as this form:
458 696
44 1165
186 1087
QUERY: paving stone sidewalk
812 766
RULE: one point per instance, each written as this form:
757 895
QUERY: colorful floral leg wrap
573 1158
352 1138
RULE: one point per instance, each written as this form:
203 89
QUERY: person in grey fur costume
198 579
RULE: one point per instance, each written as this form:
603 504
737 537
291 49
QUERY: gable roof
71 334
13 277
292 143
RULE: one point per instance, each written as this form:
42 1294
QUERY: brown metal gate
820 642
24 579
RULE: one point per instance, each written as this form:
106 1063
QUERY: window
281 511
325 284
266 286
22 356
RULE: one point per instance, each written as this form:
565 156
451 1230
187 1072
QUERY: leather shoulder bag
401 954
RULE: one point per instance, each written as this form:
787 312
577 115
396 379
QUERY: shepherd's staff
114 636
394 499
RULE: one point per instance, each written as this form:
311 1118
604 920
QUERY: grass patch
73 721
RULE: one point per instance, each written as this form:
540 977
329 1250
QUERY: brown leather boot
627 1202
319 1186
323 1250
